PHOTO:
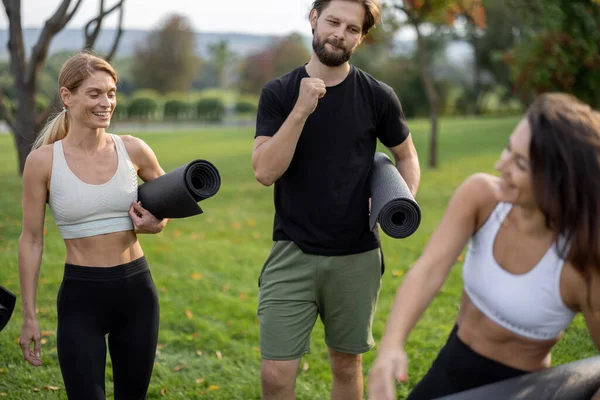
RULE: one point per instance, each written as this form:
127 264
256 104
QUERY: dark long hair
565 163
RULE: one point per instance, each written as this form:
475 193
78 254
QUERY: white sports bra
529 304
81 209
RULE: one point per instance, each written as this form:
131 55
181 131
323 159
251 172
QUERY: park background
191 75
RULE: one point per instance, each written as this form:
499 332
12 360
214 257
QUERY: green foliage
167 61
176 109
563 54
142 108
245 106
210 109
209 264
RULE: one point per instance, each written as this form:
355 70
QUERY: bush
246 107
176 109
210 109
142 108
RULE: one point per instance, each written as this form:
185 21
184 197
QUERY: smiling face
337 31
93 102
514 167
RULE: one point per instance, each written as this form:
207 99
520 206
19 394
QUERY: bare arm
429 272
407 163
271 156
148 169
31 244
422 282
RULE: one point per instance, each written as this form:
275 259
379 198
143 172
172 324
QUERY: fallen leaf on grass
243 296
179 367
199 353
188 314
161 346
305 367
213 387
36 389
219 355
196 276
51 388
1 370
3 394
398 273
44 341
163 391
199 380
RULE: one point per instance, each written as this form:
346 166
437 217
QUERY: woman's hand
144 221
391 365
30 332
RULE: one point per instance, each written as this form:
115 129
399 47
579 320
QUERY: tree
25 122
562 54
439 12
167 61
277 59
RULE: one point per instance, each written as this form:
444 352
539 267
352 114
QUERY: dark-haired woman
533 259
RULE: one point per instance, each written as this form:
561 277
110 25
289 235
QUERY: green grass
209 265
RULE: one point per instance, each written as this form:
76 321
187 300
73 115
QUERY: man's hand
311 90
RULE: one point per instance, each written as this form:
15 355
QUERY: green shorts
295 287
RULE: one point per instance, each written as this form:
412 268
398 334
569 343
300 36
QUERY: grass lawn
206 270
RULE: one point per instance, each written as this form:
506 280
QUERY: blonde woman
89 179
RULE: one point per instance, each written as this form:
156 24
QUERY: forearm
272 158
412 299
410 170
30 258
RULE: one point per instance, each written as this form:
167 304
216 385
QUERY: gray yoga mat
577 380
7 306
177 193
392 203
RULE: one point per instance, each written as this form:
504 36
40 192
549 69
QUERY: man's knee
278 375
344 366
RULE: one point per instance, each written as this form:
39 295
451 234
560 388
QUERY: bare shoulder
480 187
39 162
138 150
478 192
132 143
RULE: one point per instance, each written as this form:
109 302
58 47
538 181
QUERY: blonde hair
72 74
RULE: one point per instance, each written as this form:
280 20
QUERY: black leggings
120 302
458 368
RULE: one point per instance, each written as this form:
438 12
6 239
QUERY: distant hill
72 39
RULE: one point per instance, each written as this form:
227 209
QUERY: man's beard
326 56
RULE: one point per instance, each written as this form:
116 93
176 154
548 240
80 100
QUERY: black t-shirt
322 200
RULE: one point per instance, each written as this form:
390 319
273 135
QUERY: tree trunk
477 78
25 131
432 96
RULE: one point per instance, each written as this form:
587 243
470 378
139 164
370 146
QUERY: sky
277 17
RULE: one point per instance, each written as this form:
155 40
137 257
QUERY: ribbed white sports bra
81 209
529 304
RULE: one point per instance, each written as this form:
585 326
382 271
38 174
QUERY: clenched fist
311 90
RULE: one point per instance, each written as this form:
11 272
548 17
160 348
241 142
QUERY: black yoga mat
392 203
176 194
7 305
577 380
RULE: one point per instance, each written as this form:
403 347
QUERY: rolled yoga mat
392 203
7 305
577 380
177 193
